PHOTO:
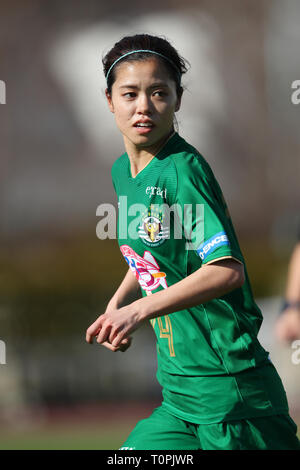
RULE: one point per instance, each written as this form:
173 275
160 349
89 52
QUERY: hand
124 345
114 326
288 325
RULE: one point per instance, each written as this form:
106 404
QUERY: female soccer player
220 390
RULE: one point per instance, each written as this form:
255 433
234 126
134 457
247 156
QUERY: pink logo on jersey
146 269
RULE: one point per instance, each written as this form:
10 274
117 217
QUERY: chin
144 139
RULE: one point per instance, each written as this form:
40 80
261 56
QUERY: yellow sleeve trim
223 257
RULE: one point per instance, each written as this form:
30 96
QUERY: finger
93 330
90 333
126 340
109 346
117 340
122 348
113 333
104 333
123 342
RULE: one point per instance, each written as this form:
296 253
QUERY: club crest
152 229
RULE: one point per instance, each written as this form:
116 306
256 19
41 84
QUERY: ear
177 107
109 101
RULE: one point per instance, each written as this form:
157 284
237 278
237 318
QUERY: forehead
147 69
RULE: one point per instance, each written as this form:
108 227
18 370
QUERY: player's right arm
128 291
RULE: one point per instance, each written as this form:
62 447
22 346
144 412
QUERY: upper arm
234 271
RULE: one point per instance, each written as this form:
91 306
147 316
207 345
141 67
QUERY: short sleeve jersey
172 220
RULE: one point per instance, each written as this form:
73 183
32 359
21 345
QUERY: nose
144 104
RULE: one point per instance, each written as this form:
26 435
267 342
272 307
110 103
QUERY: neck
140 157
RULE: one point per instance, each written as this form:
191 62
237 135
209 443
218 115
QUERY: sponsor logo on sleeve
206 248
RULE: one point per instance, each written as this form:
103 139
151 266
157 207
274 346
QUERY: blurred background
58 142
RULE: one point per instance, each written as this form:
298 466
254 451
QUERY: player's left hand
113 326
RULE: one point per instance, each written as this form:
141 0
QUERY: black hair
175 64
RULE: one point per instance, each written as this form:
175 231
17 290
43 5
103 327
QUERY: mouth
143 127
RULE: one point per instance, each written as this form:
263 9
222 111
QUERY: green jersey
173 219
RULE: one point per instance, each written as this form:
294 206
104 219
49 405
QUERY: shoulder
117 170
190 163
118 166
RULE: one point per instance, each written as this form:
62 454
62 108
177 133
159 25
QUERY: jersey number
165 329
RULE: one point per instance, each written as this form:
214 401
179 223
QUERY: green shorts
163 431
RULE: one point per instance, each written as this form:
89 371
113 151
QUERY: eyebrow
154 85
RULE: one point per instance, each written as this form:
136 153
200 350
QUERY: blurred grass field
103 427
90 437
82 431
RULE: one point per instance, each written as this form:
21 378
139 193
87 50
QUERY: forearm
207 283
292 293
128 291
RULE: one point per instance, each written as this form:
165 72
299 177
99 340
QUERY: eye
129 94
160 93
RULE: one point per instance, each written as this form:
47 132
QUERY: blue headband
142 50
